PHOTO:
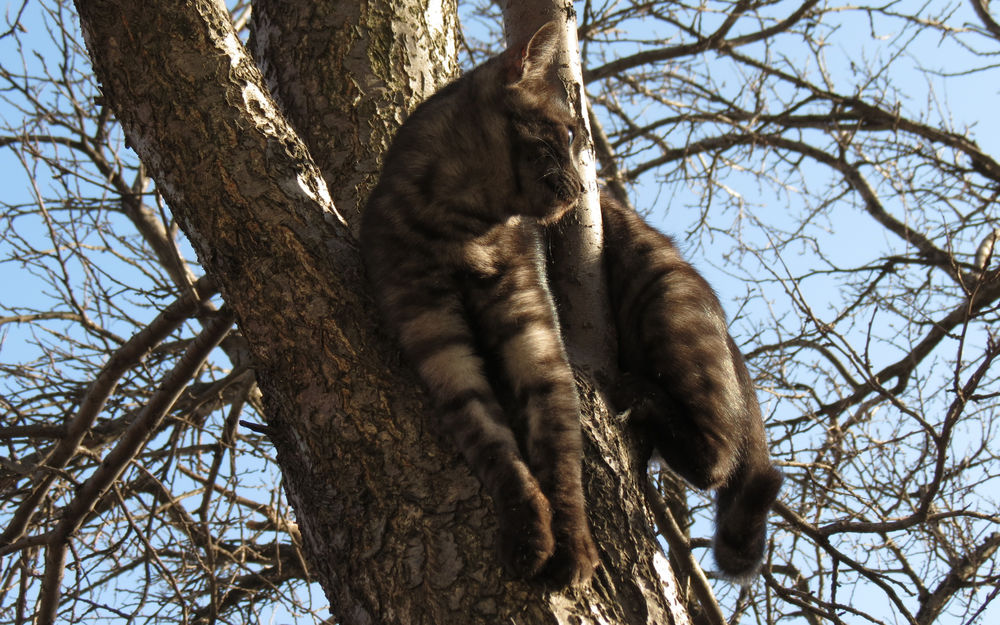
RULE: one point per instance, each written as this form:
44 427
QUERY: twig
681 549
132 441
128 355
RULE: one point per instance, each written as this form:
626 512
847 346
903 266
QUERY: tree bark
347 73
396 528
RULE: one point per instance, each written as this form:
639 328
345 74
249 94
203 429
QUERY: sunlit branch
680 548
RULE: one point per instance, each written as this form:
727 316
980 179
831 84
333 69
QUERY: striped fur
451 245
695 400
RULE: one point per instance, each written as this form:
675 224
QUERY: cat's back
442 179
446 130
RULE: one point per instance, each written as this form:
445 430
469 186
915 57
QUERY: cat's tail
742 506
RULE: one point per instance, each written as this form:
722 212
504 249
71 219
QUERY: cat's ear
537 58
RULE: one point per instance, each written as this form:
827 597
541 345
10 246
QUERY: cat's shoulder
513 242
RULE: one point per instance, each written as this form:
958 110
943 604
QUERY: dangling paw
525 533
575 558
576 555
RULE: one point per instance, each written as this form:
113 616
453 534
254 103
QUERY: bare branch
982 9
962 570
129 354
134 438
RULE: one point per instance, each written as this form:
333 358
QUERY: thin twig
132 441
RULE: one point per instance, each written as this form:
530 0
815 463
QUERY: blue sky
970 101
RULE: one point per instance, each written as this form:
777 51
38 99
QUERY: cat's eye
570 134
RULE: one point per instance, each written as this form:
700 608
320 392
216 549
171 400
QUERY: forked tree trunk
396 528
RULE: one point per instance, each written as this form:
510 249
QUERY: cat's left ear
540 53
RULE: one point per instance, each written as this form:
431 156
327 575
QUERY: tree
126 455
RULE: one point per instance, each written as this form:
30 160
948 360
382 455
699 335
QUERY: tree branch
125 357
714 41
114 463
981 7
962 570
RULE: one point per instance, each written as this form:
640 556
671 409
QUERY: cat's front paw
575 558
525 535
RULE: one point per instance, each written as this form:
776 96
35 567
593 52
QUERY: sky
971 100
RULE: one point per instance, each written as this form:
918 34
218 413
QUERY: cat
695 402
451 244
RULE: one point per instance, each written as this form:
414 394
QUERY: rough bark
347 73
397 529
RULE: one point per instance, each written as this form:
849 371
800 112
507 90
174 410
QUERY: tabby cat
452 248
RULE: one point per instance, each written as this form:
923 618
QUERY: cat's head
545 134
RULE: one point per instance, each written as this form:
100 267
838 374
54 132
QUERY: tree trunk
574 244
346 73
396 528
